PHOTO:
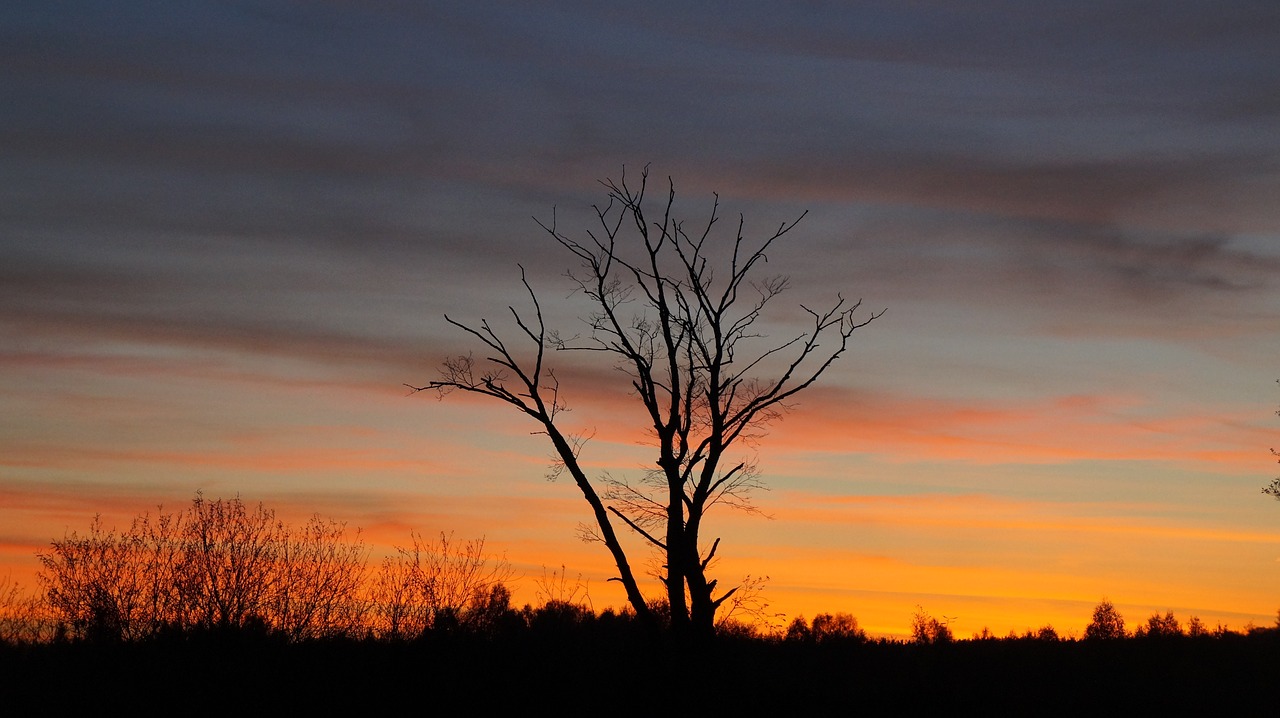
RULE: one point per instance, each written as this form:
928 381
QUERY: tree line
225 565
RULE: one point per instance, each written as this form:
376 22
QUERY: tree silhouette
927 629
827 626
677 312
1158 626
1107 622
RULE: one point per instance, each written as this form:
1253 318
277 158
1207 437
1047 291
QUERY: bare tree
677 311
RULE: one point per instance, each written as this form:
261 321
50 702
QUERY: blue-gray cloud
273 170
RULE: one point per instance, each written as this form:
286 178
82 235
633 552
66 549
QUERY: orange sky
1000 521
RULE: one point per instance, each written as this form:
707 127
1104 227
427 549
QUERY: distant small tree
1196 628
828 627
489 606
1252 630
1158 626
1107 622
927 629
798 630
1044 633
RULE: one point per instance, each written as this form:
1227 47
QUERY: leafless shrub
97 584
555 587
22 615
321 579
231 558
435 582
218 564
749 606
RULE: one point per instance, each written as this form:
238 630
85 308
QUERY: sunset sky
230 231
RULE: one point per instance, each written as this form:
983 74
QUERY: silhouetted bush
23 617
439 584
218 564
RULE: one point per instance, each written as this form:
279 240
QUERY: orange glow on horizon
860 527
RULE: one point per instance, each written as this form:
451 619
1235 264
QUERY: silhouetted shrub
219 564
437 585
22 616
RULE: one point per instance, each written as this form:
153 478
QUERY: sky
231 231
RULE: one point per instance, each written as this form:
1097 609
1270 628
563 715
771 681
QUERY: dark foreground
258 675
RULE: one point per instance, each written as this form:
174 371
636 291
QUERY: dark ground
246 675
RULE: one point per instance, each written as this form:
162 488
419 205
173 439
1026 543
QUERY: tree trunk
676 568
